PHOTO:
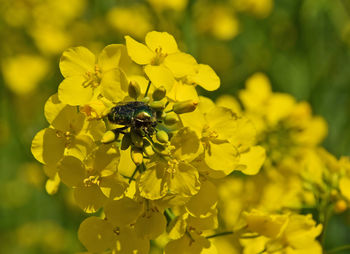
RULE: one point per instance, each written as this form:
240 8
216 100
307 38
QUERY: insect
135 114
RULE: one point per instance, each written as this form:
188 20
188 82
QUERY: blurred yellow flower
23 73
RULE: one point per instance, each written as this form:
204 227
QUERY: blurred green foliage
303 46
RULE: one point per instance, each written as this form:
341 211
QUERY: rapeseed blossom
144 175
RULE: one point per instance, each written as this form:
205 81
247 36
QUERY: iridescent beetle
134 114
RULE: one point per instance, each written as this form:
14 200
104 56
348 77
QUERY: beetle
134 114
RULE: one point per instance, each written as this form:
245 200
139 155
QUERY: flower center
159 57
92 79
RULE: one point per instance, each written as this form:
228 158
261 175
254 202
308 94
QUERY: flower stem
220 234
133 174
169 214
147 89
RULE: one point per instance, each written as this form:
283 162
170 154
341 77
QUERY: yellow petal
161 40
195 120
71 171
222 157
230 102
52 185
268 225
63 117
150 225
160 76
138 52
177 227
222 120
112 187
204 200
129 242
80 146
123 211
181 64
152 184
96 234
72 92
344 186
89 198
185 181
252 160
187 144
114 85
182 92
206 77
110 56
47 147
77 61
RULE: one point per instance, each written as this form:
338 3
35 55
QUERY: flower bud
136 156
157 105
162 136
185 106
126 141
171 118
147 147
159 93
108 137
134 89
136 139
340 206
145 99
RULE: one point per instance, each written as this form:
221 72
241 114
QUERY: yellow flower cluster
297 175
129 134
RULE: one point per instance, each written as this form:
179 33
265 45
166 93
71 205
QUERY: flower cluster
129 134
298 175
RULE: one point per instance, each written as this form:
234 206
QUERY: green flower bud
159 93
136 139
136 156
126 141
146 99
185 106
171 118
162 136
134 89
157 105
108 137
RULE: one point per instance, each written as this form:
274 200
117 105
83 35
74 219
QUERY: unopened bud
126 141
146 99
136 156
340 206
136 139
159 93
157 105
134 89
171 118
185 106
108 137
147 147
162 136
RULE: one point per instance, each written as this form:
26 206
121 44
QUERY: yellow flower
23 73
86 78
134 20
284 233
161 57
175 175
225 138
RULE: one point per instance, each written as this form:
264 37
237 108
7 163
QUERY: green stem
169 214
337 249
133 174
220 234
147 89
